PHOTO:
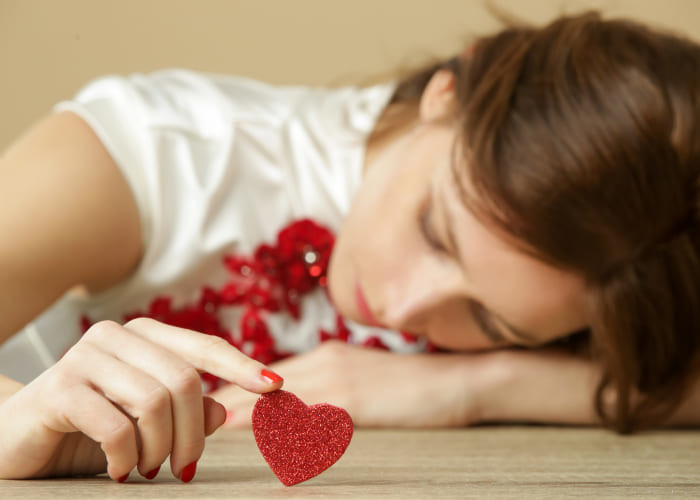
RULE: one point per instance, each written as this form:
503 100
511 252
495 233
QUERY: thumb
214 415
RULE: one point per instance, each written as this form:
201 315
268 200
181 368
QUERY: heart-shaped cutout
299 441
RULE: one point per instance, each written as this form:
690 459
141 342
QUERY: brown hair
582 145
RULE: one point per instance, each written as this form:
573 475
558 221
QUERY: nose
412 302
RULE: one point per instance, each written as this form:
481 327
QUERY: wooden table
481 462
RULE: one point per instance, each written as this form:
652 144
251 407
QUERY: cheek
355 258
454 329
339 277
463 340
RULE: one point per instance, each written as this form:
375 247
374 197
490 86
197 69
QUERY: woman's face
396 265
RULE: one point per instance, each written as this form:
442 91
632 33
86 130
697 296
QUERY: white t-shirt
217 165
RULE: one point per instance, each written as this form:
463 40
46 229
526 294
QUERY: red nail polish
272 377
153 473
123 478
188 472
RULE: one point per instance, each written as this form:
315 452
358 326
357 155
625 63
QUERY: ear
438 100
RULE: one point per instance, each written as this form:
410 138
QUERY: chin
341 285
342 298
335 288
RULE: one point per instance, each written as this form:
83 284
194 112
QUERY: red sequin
299 441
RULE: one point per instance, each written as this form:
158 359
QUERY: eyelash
485 324
425 230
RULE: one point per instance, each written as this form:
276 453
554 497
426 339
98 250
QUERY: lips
364 309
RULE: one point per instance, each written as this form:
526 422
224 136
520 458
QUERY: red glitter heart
299 441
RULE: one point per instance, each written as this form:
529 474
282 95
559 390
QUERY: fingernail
153 473
188 472
123 478
271 377
229 417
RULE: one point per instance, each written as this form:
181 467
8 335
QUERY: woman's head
583 140
576 147
422 263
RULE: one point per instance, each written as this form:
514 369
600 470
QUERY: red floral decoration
273 280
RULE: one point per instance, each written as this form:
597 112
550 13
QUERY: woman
528 206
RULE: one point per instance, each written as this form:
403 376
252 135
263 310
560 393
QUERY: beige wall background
49 48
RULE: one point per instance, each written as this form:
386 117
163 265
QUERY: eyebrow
518 333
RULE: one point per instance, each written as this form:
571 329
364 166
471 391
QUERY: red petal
160 307
375 342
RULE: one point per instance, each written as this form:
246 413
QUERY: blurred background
50 48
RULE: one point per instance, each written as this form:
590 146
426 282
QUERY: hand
378 388
134 391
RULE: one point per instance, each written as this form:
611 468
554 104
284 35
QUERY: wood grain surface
483 462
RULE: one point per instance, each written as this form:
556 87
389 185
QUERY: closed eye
483 320
426 229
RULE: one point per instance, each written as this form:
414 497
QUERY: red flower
274 279
253 328
409 337
324 335
291 304
304 249
343 331
233 293
295 277
239 265
267 260
264 351
159 308
259 296
375 342
210 300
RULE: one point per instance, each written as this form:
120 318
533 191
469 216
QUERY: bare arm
539 386
67 217
124 397
549 386
384 389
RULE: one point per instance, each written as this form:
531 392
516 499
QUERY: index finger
209 353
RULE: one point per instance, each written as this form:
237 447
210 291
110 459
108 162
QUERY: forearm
539 386
559 388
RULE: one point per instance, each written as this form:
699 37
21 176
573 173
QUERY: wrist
25 438
494 377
